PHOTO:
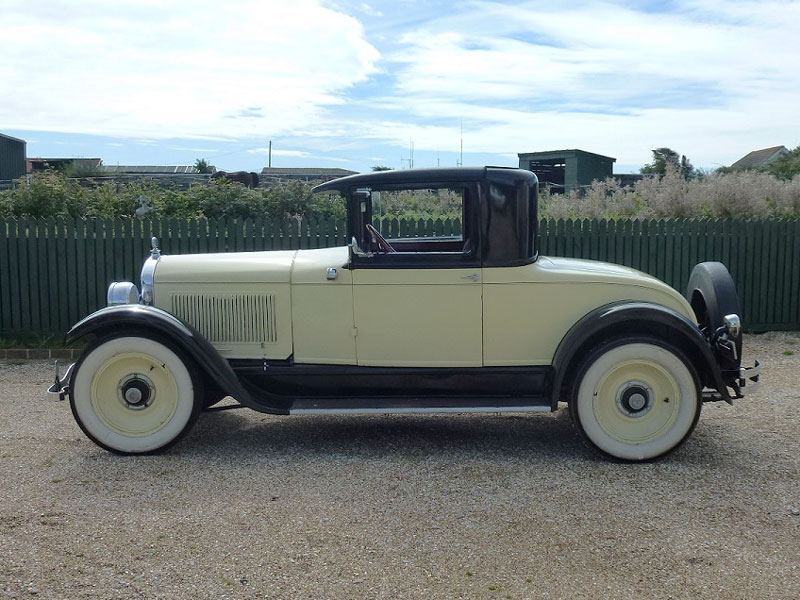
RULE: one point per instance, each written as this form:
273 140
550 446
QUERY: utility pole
411 160
270 154
461 153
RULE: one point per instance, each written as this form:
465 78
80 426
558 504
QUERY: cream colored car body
273 305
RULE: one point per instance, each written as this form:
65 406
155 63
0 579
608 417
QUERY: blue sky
353 84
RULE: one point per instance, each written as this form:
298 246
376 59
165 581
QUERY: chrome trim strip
147 278
412 410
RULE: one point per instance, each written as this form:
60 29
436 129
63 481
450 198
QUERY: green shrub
47 194
52 194
736 195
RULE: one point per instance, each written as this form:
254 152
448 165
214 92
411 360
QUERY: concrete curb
40 353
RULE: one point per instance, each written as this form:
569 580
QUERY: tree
202 165
666 157
785 166
381 168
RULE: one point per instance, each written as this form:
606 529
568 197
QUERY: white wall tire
133 395
635 399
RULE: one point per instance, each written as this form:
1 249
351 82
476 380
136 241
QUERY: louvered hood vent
229 318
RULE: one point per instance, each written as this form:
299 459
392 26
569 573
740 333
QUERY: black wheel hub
635 399
136 392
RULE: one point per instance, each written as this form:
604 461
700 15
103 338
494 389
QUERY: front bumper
61 386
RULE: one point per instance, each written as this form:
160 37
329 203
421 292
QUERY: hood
234 267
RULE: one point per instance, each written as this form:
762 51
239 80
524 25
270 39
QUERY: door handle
473 277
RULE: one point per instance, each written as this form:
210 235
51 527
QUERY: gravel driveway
462 506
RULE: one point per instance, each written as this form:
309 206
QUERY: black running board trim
390 405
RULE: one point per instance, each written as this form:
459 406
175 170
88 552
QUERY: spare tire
712 294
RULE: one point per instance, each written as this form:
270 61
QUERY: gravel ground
463 506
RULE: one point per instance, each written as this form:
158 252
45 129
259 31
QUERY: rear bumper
748 380
743 382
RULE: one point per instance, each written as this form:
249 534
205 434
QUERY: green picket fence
55 271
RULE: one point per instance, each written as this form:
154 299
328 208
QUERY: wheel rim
134 394
636 401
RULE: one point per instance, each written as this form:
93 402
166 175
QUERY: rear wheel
134 395
635 399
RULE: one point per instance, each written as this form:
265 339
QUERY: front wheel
635 399
134 395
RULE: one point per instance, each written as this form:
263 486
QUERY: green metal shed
564 170
12 158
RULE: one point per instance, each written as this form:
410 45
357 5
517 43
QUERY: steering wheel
383 245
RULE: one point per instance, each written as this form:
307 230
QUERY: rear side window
433 213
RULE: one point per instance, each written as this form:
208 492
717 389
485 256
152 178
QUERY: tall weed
738 195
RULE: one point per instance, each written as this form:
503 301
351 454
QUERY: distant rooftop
305 173
759 158
41 163
65 160
150 169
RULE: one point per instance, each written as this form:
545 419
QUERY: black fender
635 318
712 294
143 319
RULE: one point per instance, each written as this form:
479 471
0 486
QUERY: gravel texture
462 506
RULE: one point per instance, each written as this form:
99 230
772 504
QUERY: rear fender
140 319
634 318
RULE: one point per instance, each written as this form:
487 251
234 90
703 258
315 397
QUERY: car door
418 317
417 301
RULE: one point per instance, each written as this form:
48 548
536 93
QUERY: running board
395 405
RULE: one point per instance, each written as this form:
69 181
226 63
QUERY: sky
354 84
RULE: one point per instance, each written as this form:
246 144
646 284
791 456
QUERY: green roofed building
12 158
563 170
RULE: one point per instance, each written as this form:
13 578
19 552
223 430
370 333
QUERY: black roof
435 175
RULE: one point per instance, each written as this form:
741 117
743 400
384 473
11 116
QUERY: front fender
142 319
632 318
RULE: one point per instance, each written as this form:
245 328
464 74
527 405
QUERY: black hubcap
136 392
634 399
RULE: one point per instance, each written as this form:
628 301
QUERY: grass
32 341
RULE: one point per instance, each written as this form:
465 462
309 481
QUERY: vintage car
476 322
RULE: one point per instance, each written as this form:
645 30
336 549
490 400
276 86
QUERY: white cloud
297 154
177 69
715 79
192 149
711 78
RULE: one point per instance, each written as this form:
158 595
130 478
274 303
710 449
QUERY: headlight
122 292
